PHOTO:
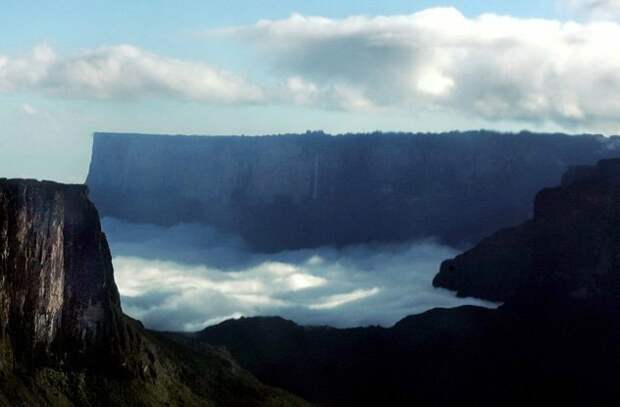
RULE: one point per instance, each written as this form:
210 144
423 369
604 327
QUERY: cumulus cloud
491 67
189 276
595 9
337 95
122 72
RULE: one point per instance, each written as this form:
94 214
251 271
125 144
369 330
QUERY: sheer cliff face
571 247
64 340
308 190
56 280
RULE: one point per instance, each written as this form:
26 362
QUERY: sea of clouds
190 276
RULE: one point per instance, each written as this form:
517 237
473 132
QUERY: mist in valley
190 276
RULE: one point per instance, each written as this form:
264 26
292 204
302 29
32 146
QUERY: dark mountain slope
571 247
555 341
566 354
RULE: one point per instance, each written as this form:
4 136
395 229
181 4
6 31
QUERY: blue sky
68 68
161 25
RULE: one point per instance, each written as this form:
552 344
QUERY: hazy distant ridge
293 191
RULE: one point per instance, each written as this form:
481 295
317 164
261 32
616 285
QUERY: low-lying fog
189 276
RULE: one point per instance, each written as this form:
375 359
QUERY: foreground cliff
58 299
570 248
296 191
63 337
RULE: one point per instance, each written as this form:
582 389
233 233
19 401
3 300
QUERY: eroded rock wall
295 191
56 281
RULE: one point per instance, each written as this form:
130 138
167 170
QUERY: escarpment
295 191
58 299
570 248
64 340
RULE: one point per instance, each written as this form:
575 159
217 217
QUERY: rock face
58 299
294 191
64 340
570 248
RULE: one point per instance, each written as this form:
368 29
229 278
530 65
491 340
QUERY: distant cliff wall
296 191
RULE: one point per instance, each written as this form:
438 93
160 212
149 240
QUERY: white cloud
122 72
340 95
335 301
490 67
594 9
20 73
29 109
189 276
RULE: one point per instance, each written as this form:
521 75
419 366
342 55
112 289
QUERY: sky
70 68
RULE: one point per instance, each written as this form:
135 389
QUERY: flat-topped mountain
295 191
571 246
64 339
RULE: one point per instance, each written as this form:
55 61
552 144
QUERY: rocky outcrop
571 247
294 191
63 337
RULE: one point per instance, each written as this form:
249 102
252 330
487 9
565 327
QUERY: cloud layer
189 276
595 9
491 67
436 62
122 72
